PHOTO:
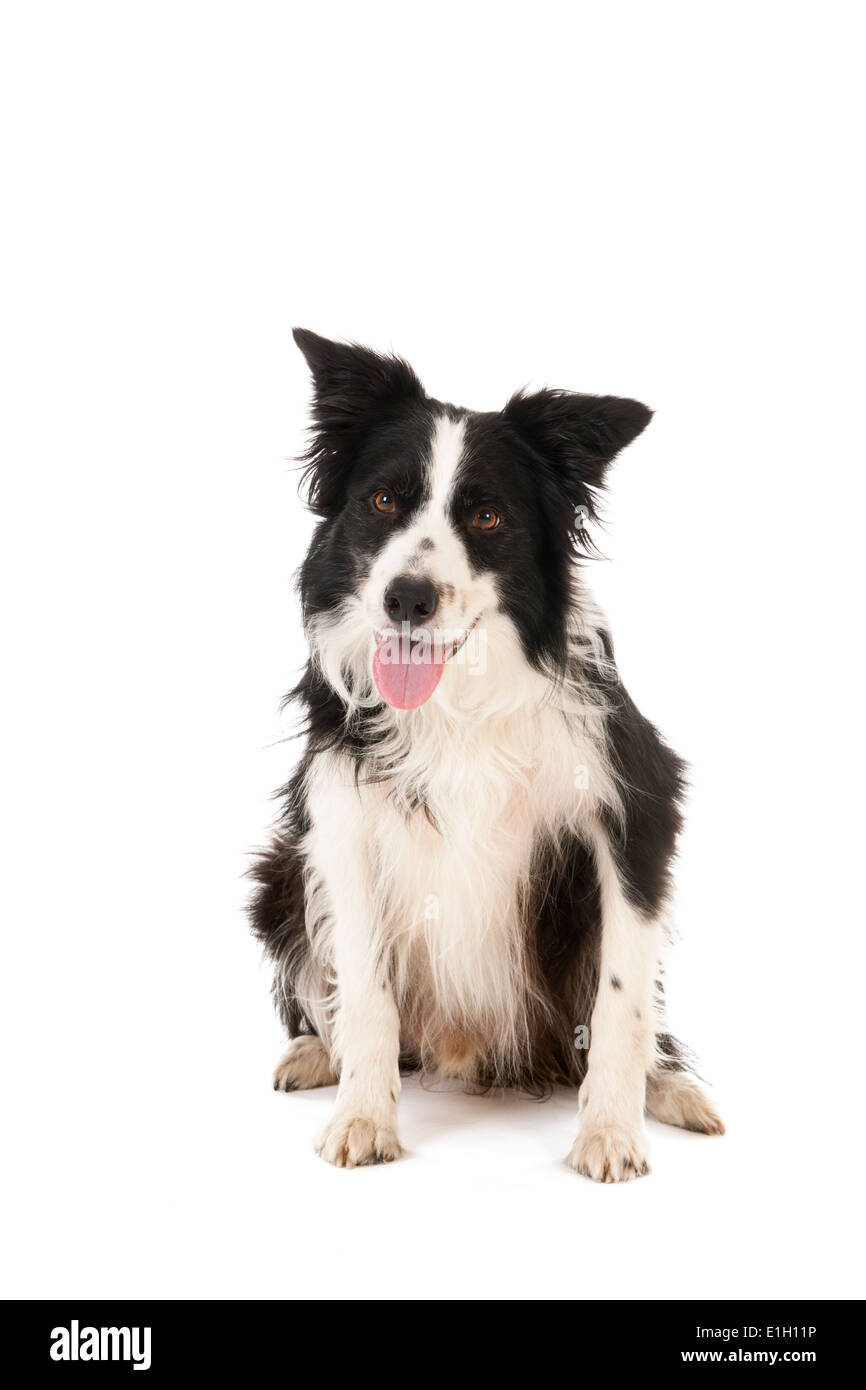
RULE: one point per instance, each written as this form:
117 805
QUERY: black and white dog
472 866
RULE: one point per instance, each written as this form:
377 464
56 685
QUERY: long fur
479 860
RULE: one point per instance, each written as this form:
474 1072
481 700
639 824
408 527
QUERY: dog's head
447 537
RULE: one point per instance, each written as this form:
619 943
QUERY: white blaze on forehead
431 544
446 452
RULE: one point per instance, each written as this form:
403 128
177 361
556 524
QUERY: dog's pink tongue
402 682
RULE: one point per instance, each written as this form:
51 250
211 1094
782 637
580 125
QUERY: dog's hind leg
677 1099
673 1095
306 1064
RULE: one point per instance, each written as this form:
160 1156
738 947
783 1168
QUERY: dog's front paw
609 1153
352 1141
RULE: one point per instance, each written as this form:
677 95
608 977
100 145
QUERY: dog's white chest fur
440 851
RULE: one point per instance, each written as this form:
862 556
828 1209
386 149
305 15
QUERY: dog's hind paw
352 1141
305 1065
610 1153
677 1099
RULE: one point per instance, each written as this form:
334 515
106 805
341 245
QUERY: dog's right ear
352 385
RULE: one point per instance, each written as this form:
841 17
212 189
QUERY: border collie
471 870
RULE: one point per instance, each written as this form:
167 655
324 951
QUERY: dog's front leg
366 1025
612 1143
363 1127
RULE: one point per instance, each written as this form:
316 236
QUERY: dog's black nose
410 600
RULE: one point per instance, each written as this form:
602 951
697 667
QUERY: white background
658 200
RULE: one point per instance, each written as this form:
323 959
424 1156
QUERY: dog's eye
486 519
384 501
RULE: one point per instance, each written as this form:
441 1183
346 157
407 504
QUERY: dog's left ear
352 386
579 435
